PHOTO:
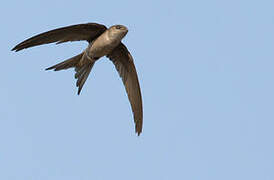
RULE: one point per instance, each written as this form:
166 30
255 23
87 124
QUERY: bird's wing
123 62
78 32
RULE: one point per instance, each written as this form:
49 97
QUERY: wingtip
17 48
138 127
138 132
49 68
14 49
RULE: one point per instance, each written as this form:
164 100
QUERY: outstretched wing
78 32
123 62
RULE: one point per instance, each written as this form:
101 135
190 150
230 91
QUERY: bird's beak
125 29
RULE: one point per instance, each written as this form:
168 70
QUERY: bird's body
102 42
106 42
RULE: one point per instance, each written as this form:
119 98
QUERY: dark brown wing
77 32
123 62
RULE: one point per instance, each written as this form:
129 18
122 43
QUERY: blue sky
206 73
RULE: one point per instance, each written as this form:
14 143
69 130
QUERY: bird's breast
102 46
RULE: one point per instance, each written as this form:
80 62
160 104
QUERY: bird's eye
118 27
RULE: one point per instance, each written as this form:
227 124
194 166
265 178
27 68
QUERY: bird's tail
69 63
81 74
82 65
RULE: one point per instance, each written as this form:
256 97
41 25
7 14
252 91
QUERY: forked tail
82 73
82 66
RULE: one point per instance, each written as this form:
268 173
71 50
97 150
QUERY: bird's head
118 31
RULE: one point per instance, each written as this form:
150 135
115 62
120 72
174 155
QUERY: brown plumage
102 42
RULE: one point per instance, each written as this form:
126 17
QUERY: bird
102 41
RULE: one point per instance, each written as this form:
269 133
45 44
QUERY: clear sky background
206 73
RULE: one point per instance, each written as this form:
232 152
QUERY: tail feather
82 75
82 67
71 62
79 71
